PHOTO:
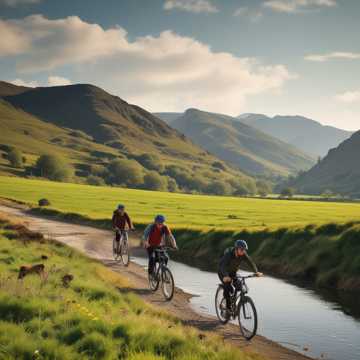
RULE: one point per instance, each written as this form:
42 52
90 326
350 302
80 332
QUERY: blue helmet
160 218
241 244
121 207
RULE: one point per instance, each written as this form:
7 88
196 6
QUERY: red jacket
156 234
120 221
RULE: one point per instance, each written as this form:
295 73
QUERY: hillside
338 172
241 145
307 135
7 89
88 126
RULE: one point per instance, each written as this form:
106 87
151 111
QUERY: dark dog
31 269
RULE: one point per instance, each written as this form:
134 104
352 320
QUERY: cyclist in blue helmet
230 263
155 235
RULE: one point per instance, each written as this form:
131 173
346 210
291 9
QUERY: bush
15 158
44 202
288 192
172 184
219 188
126 172
54 168
218 165
95 180
154 181
98 170
151 162
263 187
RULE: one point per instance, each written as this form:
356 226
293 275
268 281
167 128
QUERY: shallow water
296 317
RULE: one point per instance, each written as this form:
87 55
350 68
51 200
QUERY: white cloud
195 6
245 12
349 97
333 56
167 72
295 6
14 3
20 82
58 81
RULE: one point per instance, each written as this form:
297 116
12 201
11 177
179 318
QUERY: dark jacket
120 221
230 264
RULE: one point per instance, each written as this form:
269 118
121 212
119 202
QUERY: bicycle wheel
167 283
116 252
220 305
154 278
247 316
124 250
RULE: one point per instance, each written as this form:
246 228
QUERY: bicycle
162 274
121 247
242 307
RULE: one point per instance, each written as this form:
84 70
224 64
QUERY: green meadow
182 211
94 317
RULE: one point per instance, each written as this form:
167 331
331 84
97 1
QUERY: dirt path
97 244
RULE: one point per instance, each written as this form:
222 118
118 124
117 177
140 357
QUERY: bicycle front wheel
124 250
168 285
247 316
220 305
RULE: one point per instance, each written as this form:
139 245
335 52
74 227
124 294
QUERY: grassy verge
94 318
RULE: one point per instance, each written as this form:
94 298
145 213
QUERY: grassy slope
240 144
182 211
91 319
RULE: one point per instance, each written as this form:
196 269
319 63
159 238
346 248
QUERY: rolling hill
338 172
86 125
168 117
241 145
307 135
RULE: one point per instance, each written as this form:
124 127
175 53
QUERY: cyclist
155 235
121 221
230 263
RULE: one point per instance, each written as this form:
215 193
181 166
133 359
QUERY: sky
286 57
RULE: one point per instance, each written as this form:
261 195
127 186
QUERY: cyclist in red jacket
121 221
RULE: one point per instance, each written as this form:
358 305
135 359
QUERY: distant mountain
168 117
88 126
7 89
240 144
307 135
338 172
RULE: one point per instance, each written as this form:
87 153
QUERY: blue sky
230 56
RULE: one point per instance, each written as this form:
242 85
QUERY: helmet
160 218
241 244
121 207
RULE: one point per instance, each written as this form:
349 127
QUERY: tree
151 162
219 188
126 172
263 187
95 180
288 192
15 158
54 167
154 181
172 184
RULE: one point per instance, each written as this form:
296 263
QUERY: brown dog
31 269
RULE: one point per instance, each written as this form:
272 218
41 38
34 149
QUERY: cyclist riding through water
229 265
121 221
155 235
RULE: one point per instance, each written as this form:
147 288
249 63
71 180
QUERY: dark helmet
160 218
121 207
241 244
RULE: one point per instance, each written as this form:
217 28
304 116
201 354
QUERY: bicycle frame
240 291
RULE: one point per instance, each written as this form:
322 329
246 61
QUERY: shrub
154 181
54 168
172 184
44 202
15 158
151 162
218 165
126 172
98 170
95 180
287 192
263 187
219 188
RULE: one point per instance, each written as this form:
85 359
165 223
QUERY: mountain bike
162 274
121 247
242 307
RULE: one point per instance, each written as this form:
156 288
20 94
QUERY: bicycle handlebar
247 276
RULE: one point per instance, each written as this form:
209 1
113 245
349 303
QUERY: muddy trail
97 244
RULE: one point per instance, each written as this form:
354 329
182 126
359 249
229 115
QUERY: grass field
90 319
182 211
